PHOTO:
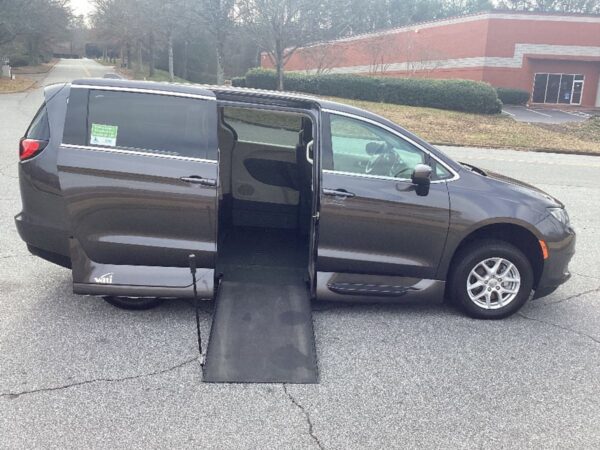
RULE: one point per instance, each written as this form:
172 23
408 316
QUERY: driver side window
362 148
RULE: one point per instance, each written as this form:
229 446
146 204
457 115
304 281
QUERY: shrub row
510 96
458 95
18 60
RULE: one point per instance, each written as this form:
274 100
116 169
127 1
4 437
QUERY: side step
261 333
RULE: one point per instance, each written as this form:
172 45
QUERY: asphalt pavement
76 372
545 115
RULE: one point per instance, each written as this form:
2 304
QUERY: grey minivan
122 180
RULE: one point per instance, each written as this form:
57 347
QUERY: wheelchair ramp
262 332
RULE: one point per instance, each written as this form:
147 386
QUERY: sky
82 6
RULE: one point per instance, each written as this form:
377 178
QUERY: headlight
560 214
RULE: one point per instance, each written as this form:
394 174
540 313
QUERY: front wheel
492 279
134 303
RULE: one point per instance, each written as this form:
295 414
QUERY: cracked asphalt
78 373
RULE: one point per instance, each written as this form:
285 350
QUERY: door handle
309 152
338 193
196 179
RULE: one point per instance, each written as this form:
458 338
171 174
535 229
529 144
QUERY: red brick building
554 57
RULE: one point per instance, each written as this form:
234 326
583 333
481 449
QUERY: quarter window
362 148
152 123
39 128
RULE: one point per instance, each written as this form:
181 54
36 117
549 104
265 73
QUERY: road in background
78 373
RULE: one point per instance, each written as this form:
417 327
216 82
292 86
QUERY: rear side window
39 128
152 123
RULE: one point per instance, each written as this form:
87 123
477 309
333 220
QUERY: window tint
39 128
152 123
363 148
264 127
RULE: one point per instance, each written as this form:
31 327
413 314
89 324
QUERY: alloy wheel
493 283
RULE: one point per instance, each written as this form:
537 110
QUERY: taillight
30 147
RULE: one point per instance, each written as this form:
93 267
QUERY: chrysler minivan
122 180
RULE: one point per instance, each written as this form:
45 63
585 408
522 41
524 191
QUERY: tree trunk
171 68
33 50
220 69
151 55
128 53
279 64
184 62
139 62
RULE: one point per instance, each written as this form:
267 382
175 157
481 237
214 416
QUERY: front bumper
556 267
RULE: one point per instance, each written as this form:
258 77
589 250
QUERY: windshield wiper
473 168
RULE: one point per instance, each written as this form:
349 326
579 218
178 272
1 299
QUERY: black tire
132 303
469 258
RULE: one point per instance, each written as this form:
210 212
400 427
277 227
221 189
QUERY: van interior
265 194
262 326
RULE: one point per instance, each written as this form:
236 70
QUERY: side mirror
421 177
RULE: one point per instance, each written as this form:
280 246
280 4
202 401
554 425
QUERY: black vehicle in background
122 180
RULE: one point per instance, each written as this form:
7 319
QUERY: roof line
482 15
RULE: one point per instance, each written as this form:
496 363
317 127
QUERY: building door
577 91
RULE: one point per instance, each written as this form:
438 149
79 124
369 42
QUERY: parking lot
78 373
545 115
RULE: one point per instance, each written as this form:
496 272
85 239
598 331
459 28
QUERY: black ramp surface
262 333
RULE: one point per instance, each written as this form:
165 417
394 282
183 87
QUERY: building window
557 88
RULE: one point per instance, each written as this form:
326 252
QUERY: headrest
374 148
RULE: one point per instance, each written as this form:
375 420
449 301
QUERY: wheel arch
513 233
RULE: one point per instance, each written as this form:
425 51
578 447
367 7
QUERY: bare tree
219 17
36 23
321 58
419 58
119 22
380 51
279 27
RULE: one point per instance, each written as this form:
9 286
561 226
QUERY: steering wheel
371 163
386 158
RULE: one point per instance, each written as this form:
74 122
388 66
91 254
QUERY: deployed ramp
262 333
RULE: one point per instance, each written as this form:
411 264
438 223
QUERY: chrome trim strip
364 175
137 153
455 174
142 91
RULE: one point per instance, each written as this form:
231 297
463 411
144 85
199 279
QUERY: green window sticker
104 135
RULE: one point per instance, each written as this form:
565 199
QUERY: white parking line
506 112
576 114
537 112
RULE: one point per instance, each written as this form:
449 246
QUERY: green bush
238 81
458 95
512 96
18 60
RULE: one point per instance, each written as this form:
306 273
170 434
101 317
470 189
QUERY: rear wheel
492 279
134 303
